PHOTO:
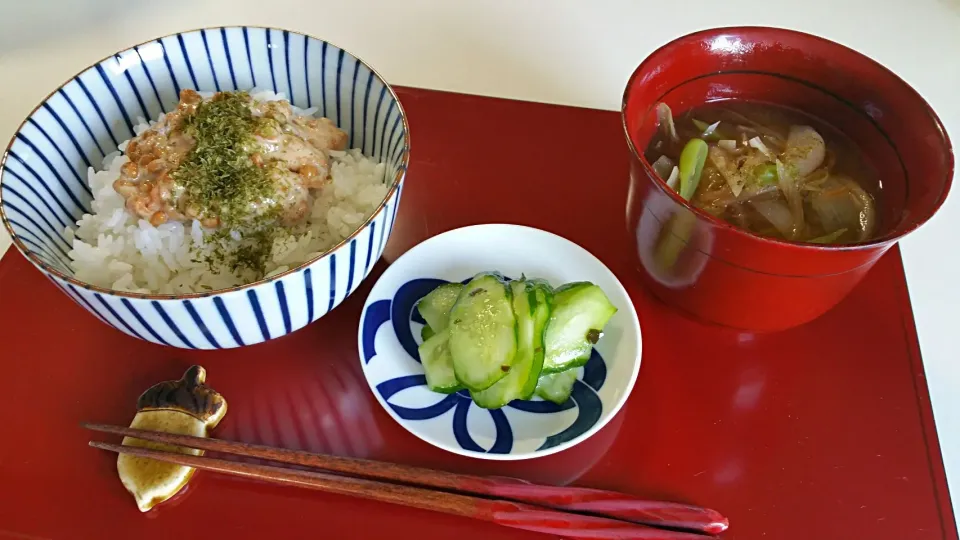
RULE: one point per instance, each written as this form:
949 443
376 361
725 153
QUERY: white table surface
569 52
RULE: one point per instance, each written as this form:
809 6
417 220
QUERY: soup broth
770 170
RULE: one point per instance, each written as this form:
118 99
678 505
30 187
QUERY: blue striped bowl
43 184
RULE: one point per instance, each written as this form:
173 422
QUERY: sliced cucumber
580 312
426 332
438 364
556 387
542 305
483 332
531 307
435 306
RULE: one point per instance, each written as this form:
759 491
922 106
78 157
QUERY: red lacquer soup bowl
726 275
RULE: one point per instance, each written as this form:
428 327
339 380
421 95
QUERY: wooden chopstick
582 500
501 512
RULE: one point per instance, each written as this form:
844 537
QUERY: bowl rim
609 414
53 272
869 245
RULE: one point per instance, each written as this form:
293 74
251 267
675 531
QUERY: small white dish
389 335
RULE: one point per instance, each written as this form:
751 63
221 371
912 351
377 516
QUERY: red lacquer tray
824 431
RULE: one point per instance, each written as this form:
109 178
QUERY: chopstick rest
187 406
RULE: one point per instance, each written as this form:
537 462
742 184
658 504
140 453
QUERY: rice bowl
65 217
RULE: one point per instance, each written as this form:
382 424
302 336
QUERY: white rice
112 248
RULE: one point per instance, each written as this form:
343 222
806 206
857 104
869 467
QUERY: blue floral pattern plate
389 335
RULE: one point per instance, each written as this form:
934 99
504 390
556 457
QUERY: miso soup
770 170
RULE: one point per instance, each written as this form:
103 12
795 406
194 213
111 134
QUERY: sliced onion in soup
665 121
805 150
787 182
758 144
674 178
778 214
828 238
844 204
662 166
727 168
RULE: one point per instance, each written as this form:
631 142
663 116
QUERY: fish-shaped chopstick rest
186 406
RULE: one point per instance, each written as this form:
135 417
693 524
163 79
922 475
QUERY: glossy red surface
823 431
726 275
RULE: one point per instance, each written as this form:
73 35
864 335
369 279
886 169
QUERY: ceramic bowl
390 334
727 275
43 187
